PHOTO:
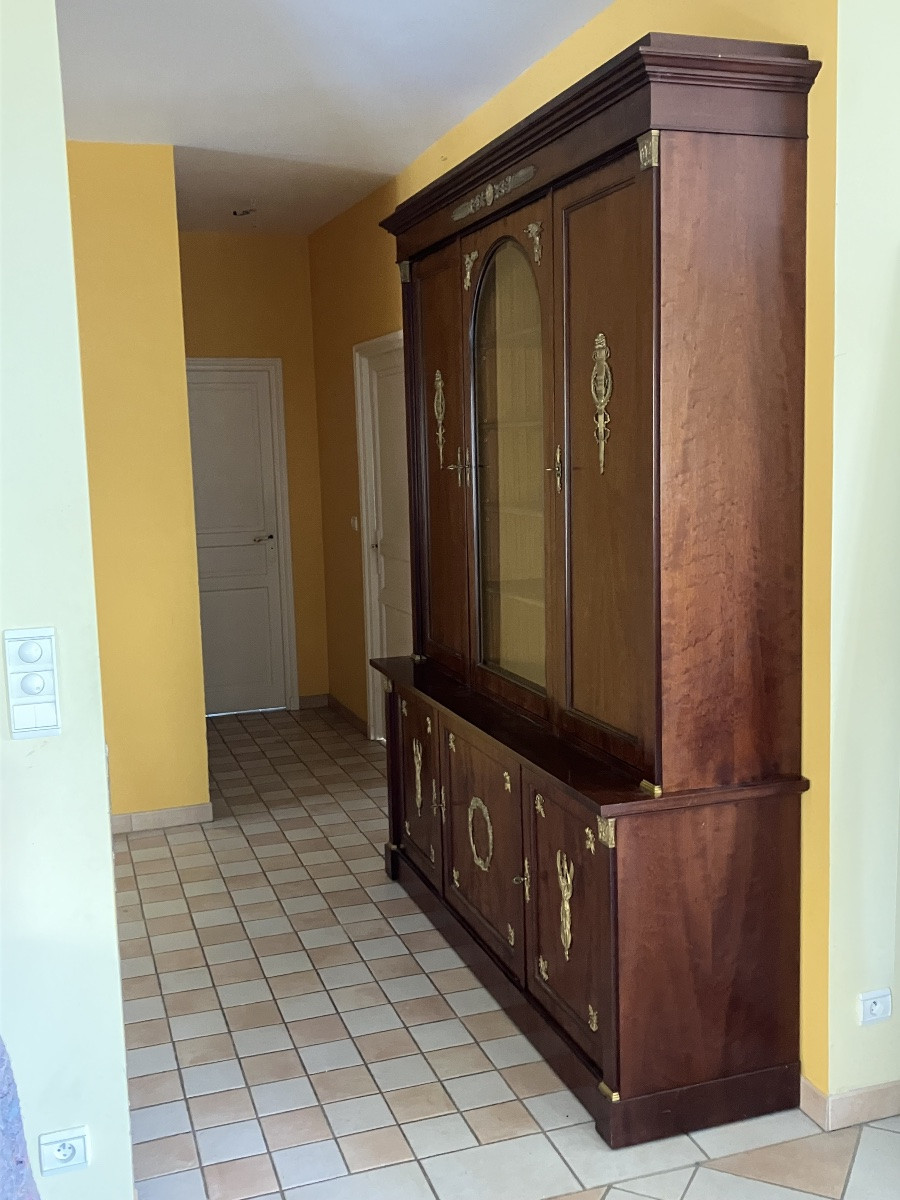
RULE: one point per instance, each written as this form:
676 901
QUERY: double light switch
31 681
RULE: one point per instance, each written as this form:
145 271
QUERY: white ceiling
297 108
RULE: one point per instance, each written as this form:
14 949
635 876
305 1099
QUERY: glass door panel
509 426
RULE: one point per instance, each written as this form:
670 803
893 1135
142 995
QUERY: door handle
264 537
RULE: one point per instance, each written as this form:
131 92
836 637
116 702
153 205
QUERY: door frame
366 424
272 367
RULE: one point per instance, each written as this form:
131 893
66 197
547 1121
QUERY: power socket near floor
875 1006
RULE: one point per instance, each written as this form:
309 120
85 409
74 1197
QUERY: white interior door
384 496
242 544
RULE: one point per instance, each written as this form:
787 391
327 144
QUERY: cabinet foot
391 868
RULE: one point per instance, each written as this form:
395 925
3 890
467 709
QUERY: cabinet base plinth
624 1122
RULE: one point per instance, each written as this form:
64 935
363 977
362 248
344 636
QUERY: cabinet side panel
732 214
709 932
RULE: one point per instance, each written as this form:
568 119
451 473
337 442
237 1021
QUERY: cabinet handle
468 468
435 805
525 878
440 409
459 467
565 871
557 468
417 762
601 391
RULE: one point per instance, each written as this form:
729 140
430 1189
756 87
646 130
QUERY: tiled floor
296 1027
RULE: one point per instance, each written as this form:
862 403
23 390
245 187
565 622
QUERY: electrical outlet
63 1151
875 1006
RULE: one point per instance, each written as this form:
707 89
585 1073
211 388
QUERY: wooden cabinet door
571 939
443 431
604 249
421 785
484 864
508 372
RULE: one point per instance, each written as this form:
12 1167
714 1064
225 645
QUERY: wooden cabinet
604 329
484 873
421 793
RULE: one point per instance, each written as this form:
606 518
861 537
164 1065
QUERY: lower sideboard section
648 946
620 1122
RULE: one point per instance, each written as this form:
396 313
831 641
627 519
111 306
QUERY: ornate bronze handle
565 871
601 391
557 468
525 878
459 467
417 762
440 409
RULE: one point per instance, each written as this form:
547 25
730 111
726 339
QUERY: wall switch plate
64 1150
31 682
875 1006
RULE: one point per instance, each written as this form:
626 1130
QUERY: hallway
297 1028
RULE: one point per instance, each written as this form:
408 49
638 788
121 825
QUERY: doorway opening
384 509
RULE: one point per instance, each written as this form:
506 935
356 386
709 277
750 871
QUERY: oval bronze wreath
476 804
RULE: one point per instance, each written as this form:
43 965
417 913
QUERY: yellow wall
139 467
356 296
247 296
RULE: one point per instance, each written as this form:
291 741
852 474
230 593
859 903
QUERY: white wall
865 671
60 1006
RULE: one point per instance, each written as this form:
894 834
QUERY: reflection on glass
509 413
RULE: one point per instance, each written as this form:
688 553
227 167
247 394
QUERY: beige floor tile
253 1016
268 1068
532 1079
180 960
458 1060
241 1179
315 1030
377 1148
236 972
196 1051
180 1004
486 1027
424 1008
394 1043
296 1128
279 943
428 939
359 995
154 1089
395 968
419 1103
343 1084
498 1122
333 956
140 988
221 1108
458 979
164 1156
146 1033
817 1164
297 983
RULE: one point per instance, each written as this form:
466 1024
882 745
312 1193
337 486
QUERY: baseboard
350 717
320 701
162 818
849 1108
